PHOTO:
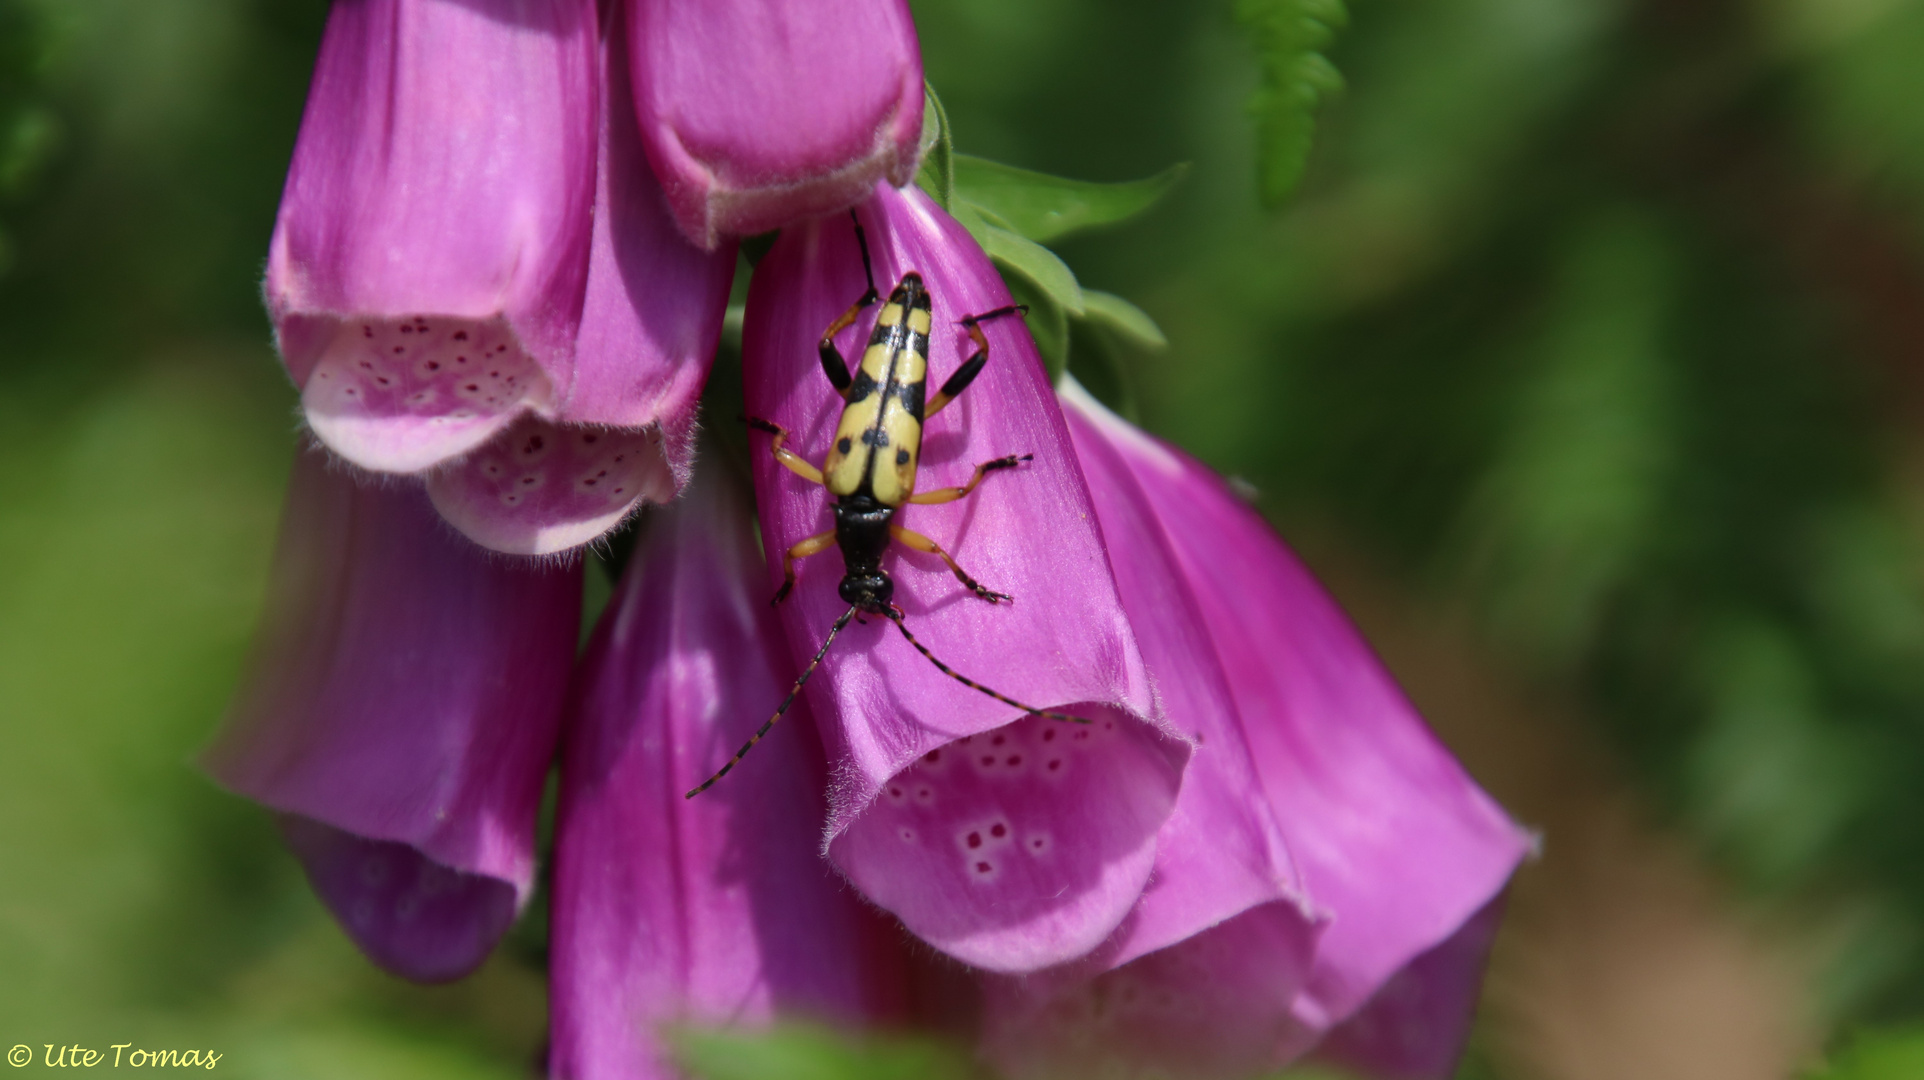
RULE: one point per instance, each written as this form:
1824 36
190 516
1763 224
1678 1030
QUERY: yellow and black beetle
870 468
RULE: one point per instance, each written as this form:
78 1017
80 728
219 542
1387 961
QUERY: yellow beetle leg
922 543
950 494
814 545
960 379
787 457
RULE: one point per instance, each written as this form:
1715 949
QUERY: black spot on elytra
843 445
901 457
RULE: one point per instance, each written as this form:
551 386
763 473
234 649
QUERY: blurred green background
1586 361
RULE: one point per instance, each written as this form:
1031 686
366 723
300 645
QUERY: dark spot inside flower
460 335
620 490
590 482
1037 844
988 759
460 359
474 386
534 445
983 868
407 329
501 348
975 839
367 365
1049 735
382 379
526 480
895 792
1015 759
589 439
932 756
999 830
998 740
1055 764
843 445
367 331
434 365
399 349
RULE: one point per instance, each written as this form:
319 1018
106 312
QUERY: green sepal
1012 251
1048 323
812 1052
937 172
1114 313
1043 207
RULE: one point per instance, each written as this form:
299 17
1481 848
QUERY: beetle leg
922 543
814 545
795 462
833 365
950 494
964 375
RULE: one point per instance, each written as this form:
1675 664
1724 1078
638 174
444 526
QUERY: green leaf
809 1052
1035 262
1114 313
1047 322
937 174
1031 260
1044 207
1289 38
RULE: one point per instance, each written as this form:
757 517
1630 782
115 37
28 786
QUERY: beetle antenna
895 615
793 692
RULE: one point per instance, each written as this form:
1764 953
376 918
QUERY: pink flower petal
1207 1007
411 915
1394 841
1030 531
715 910
1222 852
654 304
406 688
542 488
400 395
758 115
1416 1025
1019 848
436 216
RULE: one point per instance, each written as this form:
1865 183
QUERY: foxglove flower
1398 850
757 115
464 278
710 911
400 712
649 326
1011 843
428 262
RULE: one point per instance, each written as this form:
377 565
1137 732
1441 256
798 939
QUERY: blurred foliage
1877 1055
1290 36
1595 318
807 1052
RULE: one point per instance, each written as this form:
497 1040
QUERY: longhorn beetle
870 469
